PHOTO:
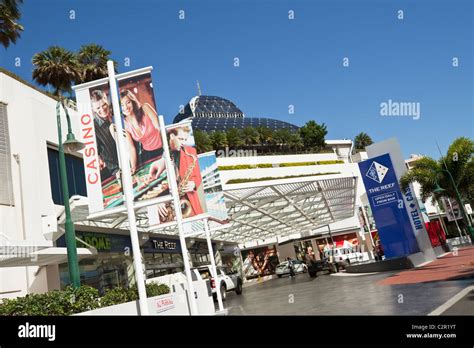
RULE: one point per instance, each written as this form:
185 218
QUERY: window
6 188
75 176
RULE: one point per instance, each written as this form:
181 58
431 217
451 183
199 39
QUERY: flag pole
128 192
173 186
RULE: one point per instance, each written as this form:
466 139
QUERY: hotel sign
389 207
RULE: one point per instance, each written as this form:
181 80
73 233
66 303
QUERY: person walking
290 266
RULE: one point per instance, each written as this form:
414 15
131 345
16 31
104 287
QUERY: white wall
32 123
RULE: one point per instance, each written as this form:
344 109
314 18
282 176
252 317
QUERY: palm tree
9 26
234 138
93 62
265 135
458 161
294 141
202 140
362 140
57 67
281 137
218 140
313 135
250 136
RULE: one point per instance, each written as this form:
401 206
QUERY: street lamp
70 145
440 190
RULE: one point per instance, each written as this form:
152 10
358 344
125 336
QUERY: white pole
179 217
128 192
213 264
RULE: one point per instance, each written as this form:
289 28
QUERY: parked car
344 256
226 280
283 268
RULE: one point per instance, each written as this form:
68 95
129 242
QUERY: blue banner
388 208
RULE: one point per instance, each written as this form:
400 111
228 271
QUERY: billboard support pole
213 264
128 192
179 217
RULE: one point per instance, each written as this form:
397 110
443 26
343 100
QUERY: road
342 295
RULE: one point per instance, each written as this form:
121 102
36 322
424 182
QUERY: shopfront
162 256
111 267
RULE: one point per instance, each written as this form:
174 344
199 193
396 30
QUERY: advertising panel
259 262
388 207
143 139
188 175
212 186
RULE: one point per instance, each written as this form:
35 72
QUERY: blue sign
388 208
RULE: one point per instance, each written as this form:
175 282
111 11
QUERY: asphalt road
343 295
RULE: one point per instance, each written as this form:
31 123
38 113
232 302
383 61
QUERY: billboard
259 262
144 145
388 207
188 175
212 186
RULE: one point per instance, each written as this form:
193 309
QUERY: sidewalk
448 267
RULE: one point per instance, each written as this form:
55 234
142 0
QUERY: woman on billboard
141 125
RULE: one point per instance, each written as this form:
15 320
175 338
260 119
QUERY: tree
93 59
313 135
294 141
265 135
218 140
281 137
362 140
250 136
234 138
57 67
9 27
458 161
202 140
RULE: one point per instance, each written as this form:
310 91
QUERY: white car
225 281
347 255
284 269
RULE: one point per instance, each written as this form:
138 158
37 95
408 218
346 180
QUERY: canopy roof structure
277 208
257 210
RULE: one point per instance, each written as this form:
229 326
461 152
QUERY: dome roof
212 113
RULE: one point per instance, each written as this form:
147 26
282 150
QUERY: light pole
70 145
439 190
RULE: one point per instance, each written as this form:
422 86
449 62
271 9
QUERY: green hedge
71 301
269 165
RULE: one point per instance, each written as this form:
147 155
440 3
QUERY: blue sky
284 62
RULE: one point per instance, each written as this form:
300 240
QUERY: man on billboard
187 168
103 125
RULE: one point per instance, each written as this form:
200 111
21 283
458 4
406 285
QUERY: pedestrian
290 266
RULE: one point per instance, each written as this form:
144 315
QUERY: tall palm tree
459 161
93 59
56 67
234 138
362 140
218 140
265 135
9 27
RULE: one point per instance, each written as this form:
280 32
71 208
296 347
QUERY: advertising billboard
185 161
144 145
388 207
212 186
259 262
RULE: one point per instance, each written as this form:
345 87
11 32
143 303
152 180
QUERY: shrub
265 165
236 167
71 301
